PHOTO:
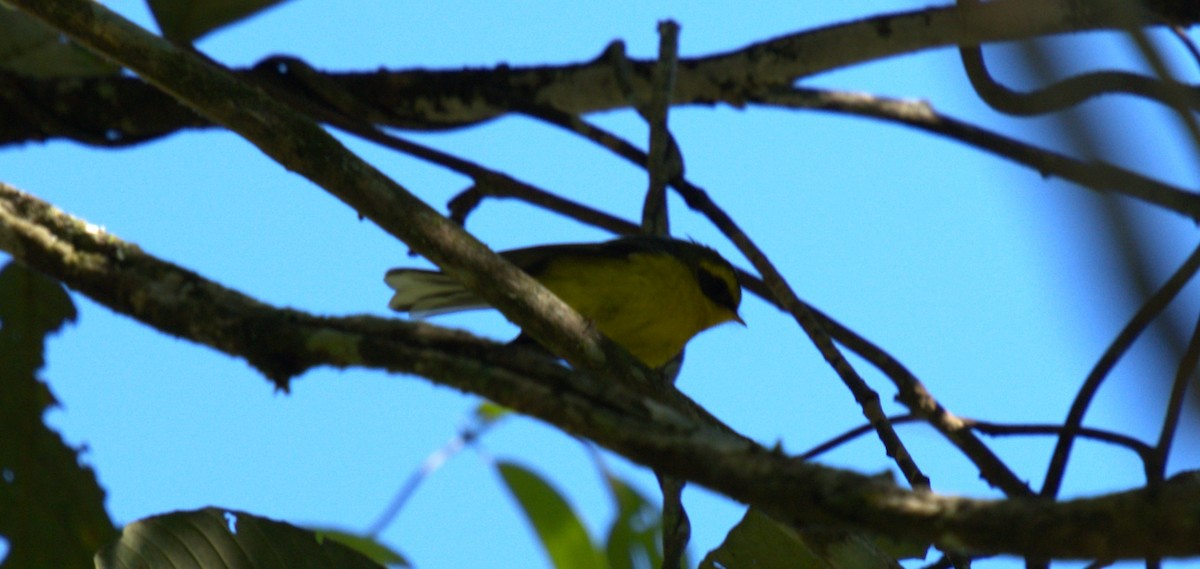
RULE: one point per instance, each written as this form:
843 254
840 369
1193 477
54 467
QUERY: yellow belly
648 303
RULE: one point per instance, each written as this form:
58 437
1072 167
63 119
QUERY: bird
651 295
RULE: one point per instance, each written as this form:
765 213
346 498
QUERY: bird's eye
716 289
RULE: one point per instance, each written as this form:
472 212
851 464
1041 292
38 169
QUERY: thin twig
1072 91
661 165
1180 33
1069 92
663 161
475 427
913 394
501 186
1183 376
1143 450
1188 362
1083 399
1181 98
298 84
868 400
1096 175
852 434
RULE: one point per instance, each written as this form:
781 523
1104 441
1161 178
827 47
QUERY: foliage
51 509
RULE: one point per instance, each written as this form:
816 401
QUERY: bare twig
1180 33
868 400
663 161
1183 375
1070 92
1143 450
502 186
1181 98
314 94
471 431
1066 93
913 394
852 434
1096 175
1191 355
1141 319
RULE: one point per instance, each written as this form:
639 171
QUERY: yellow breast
649 303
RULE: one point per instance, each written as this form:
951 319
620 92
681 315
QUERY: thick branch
300 145
122 110
664 436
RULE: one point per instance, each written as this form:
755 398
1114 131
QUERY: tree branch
302 146
661 434
122 110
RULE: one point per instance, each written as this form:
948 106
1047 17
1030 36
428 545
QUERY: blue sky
977 274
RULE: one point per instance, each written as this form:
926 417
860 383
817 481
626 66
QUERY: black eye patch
715 289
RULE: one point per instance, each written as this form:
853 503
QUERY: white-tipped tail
426 293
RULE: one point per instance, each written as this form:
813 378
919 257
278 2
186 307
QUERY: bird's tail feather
424 293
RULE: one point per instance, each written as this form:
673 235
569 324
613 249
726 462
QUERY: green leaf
32 301
51 509
214 538
185 20
758 541
29 47
634 538
562 534
366 545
